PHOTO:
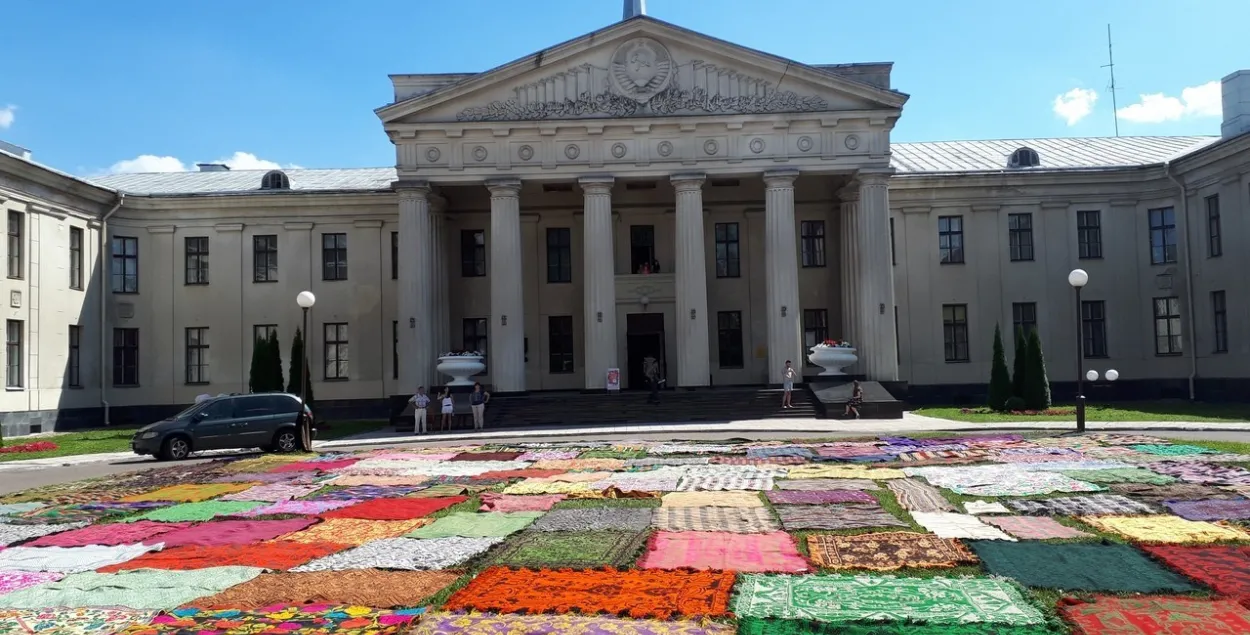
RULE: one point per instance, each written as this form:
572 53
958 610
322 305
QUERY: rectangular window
124 272
73 363
560 344
474 334
394 255
729 338
1089 234
1020 236
813 241
893 254
641 247
262 332
1162 236
1167 326
13 354
75 258
1219 314
196 259
1023 318
1215 244
951 239
559 255
335 350
1094 328
197 355
955 332
472 253
334 256
125 357
728 261
16 221
395 349
265 258
815 327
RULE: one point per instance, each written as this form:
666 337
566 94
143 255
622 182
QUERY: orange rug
636 593
278 555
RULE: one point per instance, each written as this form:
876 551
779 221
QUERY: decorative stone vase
460 368
832 359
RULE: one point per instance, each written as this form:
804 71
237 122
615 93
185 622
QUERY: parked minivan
267 421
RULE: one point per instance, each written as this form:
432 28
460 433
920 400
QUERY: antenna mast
1115 111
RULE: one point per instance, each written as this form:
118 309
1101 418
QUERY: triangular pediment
642 67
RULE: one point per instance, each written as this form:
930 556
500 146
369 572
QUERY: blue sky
295 83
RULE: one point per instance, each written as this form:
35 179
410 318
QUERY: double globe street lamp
1078 278
305 300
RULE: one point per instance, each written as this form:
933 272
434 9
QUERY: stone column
441 303
416 288
693 357
782 272
599 282
850 274
878 357
506 357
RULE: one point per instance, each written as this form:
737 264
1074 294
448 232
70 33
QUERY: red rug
314 466
395 508
486 456
1225 569
528 472
637 593
1155 615
277 555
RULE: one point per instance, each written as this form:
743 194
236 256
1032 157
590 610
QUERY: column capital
507 187
598 184
438 204
688 182
780 178
849 193
412 190
874 176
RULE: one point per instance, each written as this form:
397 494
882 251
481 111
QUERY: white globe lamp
1092 375
1112 375
305 299
1078 278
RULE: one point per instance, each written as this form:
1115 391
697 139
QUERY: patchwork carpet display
972 535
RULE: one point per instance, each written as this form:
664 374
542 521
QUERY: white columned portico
850 275
416 287
879 353
693 357
507 306
599 282
782 271
441 323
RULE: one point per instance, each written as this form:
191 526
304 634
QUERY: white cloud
1075 104
153 163
7 115
1195 101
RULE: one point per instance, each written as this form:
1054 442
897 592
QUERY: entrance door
644 337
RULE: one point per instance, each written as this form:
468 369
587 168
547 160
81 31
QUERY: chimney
19 151
213 167
1236 98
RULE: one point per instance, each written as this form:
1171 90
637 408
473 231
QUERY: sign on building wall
614 379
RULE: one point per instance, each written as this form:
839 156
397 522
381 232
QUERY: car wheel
175 449
285 441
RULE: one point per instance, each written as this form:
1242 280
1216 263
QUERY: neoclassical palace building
643 190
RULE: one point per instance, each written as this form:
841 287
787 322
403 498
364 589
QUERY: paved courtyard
1104 534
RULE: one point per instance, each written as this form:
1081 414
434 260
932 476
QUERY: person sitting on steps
857 398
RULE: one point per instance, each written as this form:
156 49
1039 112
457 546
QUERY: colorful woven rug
278 555
114 534
14 580
711 499
1035 527
848 516
1079 566
298 508
355 531
1120 475
69 559
951 525
574 549
403 554
309 619
363 587
611 519
999 480
1165 529
915 496
148 589
395 508
195 512
362 492
315 466
823 484
710 482
1095 505
1213 509
1203 473
1224 569
1113 615
189 493
887 551
63 621
1171 449
638 593
492 502
486 456
1176 491
233 532
844 471
757 626
477 525
447 489
486 624
750 520
802 497
839 598
755 553
985 507
273 492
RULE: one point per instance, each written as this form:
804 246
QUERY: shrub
1000 380
1036 383
1014 404
1018 364
297 358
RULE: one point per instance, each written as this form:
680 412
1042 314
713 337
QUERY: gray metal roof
908 158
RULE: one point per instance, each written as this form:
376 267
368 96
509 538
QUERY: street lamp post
305 300
1078 279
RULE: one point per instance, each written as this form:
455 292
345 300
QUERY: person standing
448 409
420 402
857 398
477 403
651 370
787 384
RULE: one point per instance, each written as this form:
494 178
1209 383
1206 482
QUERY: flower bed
834 344
35 446
1049 412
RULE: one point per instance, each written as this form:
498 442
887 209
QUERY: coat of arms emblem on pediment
641 69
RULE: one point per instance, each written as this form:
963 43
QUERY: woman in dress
857 398
449 407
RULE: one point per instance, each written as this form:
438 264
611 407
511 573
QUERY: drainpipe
104 226
1189 280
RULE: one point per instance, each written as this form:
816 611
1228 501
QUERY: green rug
1078 567
196 512
475 525
575 549
613 454
1120 475
757 626
841 599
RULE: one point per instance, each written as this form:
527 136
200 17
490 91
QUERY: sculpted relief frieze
642 79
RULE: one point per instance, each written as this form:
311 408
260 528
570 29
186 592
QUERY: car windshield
190 410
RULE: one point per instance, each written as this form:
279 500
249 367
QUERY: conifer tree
255 377
273 363
1000 380
297 357
1018 365
1036 383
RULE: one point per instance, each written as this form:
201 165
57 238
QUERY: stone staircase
628 407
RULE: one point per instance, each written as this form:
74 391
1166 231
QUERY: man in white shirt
787 384
419 403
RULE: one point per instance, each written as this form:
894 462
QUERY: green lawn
118 439
1137 411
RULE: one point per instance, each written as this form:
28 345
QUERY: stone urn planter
832 358
460 368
